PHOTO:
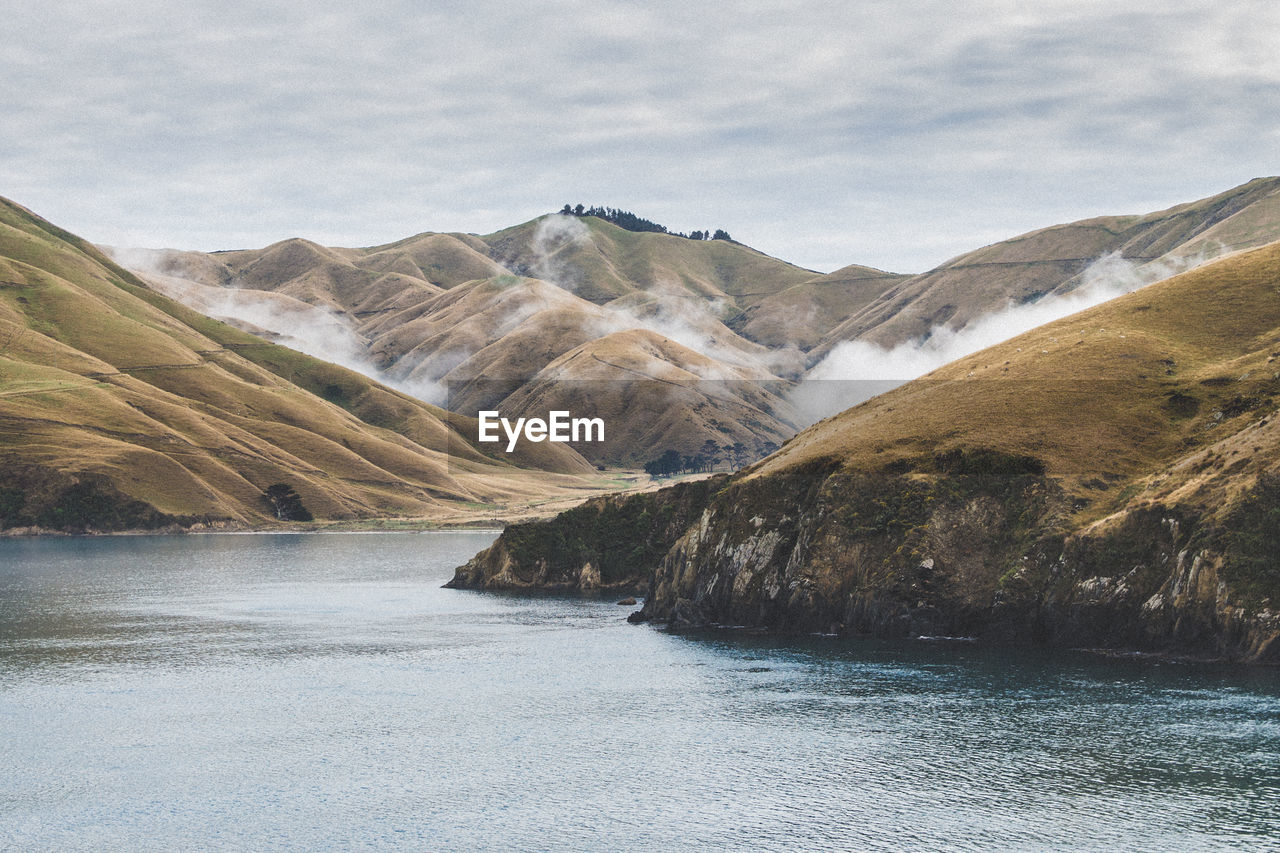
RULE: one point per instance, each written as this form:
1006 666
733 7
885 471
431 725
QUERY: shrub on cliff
1252 542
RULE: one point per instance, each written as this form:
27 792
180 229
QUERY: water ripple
321 692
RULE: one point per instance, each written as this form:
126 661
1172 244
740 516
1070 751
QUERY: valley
1107 480
677 342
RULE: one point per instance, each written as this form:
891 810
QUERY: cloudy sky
895 133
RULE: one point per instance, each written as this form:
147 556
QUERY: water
322 692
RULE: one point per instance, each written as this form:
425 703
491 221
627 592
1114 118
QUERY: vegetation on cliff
607 543
37 498
1107 480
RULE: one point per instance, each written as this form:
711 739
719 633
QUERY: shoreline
460 518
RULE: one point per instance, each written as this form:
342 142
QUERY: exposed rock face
976 559
846 553
978 549
607 544
1109 480
1159 581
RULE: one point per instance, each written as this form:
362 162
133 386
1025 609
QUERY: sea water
323 692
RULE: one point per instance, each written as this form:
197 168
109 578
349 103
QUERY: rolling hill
468 321
120 408
1054 260
1111 480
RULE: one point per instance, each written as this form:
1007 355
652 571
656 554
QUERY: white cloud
854 371
894 134
309 329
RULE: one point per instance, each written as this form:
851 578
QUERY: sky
896 134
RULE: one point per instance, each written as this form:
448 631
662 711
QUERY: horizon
673 232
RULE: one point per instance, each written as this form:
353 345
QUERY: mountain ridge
1052 259
1108 480
115 394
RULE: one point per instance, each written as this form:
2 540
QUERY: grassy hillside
1051 260
601 262
122 408
468 321
656 394
1110 393
1111 479
483 316
801 315
594 259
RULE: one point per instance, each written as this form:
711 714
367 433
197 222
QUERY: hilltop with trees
628 220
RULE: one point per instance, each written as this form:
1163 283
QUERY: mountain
468 321
1111 479
1054 260
600 262
804 314
654 392
473 322
121 408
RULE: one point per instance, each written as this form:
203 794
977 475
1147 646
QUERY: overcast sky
896 134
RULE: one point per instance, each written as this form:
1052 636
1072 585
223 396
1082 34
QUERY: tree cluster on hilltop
629 221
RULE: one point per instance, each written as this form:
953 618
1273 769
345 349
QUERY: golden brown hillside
803 314
465 321
484 315
1052 260
1109 394
656 393
1111 479
120 408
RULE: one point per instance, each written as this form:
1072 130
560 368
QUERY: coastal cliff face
831 551
1110 480
979 545
1171 595
608 544
960 556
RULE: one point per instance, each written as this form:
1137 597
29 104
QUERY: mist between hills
672 428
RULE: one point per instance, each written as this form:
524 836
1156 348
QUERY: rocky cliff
608 544
1111 480
979 545
968 554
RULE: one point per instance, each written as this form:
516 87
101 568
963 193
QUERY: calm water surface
322 691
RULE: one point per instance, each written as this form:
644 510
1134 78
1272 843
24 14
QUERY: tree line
673 462
629 221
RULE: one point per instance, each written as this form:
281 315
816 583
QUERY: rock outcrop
959 556
983 551
1111 481
607 545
